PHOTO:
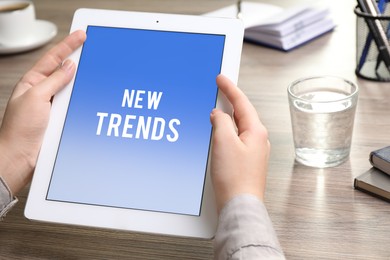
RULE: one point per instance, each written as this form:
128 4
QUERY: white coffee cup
17 18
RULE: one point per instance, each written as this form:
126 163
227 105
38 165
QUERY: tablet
128 141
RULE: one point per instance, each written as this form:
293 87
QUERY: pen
239 13
381 9
382 5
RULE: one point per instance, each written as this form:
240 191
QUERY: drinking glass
322 112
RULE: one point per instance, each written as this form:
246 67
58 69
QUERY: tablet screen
137 130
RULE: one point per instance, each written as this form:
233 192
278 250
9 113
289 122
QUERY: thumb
223 126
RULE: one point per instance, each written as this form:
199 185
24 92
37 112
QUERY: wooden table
316 212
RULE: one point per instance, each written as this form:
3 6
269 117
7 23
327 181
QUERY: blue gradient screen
137 129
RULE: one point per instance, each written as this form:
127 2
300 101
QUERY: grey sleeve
7 201
245 231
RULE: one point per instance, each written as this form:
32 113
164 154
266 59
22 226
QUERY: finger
56 81
50 62
54 57
245 114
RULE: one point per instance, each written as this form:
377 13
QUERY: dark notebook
380 159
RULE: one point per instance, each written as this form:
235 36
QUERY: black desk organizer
371 67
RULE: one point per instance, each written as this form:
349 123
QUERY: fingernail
212 112
67 65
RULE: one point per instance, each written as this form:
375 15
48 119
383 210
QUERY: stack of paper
279 28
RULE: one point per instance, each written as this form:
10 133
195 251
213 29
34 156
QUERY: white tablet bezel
203 226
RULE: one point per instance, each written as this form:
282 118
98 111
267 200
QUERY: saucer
42 33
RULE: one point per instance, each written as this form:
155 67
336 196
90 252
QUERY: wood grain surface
316 212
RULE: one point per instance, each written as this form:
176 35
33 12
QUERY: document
276 27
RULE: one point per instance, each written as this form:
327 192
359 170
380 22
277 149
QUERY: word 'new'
135 99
